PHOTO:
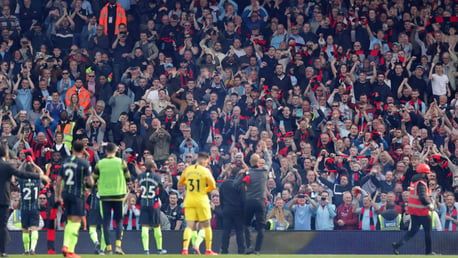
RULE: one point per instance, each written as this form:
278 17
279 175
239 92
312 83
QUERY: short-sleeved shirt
73 174
30 189
195 177
439 84
149 186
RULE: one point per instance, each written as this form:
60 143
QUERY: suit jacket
5 181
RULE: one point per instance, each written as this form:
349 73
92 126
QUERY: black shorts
94 217
150 216
30 218
73 205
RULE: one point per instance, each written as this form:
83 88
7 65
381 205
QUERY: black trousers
117 207
231 220
415 222
4 235
254 207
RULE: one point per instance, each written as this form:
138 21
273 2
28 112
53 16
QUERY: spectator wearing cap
416 81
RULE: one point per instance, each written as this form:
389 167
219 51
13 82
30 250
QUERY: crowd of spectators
349 95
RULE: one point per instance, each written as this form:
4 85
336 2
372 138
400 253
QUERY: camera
301 196
27 153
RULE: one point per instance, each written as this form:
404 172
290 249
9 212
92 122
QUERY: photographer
325 213
337 189
302 206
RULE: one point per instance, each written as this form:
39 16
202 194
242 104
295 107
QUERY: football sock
75 228
186 238
26 241
66 234
200 237
208 238
193 237
118 243
158 237
103 245
145 238
93 234
34 238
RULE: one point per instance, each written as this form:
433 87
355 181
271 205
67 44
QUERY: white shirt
439 84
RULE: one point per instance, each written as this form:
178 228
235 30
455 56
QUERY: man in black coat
256 189
6 172
232 201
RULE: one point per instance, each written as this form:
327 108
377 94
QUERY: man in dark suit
7 171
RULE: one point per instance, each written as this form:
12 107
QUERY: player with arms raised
30 216
199 181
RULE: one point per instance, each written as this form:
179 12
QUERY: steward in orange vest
109 22
418 207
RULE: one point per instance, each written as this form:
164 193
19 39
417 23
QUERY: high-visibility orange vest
415 206
67 130
84 97
120 17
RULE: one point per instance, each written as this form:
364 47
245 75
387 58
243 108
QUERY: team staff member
74 176
30 216
418 207
232 200
94 219
256 180
7 171
150 212
112 176
199 181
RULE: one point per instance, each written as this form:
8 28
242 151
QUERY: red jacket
349 218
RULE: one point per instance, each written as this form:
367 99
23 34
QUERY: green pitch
235 256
